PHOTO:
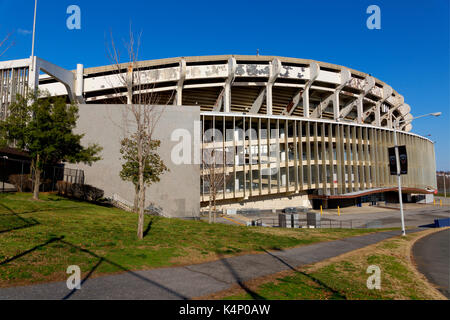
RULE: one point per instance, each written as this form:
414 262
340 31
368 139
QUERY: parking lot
416 215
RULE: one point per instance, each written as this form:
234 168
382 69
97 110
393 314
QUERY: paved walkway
432 256
196 280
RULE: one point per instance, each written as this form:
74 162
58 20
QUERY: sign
403 156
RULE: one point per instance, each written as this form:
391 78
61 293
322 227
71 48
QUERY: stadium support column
324 160
79 84
227 89
387 93
331 158
129 81
33 77
66 77
275 69
369 84
345 76
179 94
389 116
314 70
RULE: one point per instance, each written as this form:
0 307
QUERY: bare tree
140 116
215 176
5 44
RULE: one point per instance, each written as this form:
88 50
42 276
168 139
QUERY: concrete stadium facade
288 130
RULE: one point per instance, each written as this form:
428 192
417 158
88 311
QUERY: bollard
440 202
321 211
434 202
339 211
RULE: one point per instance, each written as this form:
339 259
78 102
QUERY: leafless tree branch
5 44
140 116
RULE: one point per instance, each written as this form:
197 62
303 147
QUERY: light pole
397 159
445 189
34 35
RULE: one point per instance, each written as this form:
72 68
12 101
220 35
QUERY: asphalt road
196 280
414 217
432 256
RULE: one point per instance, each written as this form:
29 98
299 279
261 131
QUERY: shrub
22 182
79 191
64 188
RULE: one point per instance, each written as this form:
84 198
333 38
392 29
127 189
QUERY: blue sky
410 52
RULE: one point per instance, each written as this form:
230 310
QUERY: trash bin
296 220
285 220
313 219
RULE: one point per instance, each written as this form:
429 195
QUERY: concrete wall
268 202
177 194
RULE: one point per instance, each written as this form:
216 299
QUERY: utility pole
399 177
34 35
397 159
445 189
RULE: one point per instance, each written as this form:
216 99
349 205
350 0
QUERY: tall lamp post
34 35
445 189
397 159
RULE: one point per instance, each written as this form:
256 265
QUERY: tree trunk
210 204
215 207
36 178
136 199
140 231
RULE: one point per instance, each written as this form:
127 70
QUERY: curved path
196 280
432 256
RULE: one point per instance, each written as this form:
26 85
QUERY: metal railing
273 222
15 175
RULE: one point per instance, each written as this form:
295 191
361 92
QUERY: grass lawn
39 240
345 277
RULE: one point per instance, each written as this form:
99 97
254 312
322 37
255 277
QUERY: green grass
39 240
346 278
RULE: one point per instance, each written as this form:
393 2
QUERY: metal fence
15 175
323 224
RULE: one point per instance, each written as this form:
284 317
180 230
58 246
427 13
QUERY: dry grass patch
345 277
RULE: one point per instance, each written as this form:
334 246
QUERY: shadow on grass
27 223
240 282
149 227
30 250
336 294
144 280
100 203
41 210
67 297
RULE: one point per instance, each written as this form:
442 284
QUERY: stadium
291 132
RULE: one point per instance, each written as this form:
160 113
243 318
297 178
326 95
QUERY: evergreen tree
42 126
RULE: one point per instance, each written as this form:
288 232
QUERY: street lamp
34 35
445 189
397 159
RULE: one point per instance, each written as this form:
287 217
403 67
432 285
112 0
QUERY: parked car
290 210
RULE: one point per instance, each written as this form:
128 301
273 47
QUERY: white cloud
23 32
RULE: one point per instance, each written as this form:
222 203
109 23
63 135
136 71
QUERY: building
290 132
